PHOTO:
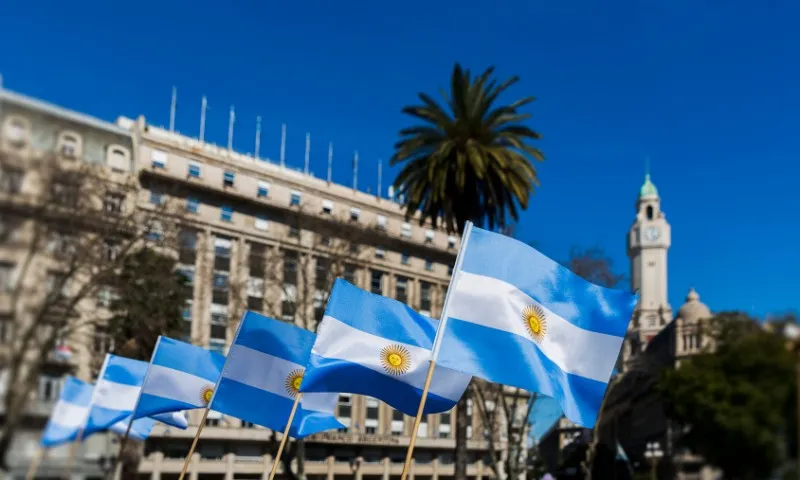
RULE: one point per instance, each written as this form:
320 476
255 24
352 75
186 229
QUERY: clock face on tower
651 233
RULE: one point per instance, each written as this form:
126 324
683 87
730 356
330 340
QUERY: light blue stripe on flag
140 429
181 377
69 414
518 318
262 375
372 345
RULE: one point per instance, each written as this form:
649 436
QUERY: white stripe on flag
115 396
496 304
173 384
243 367
69 415
364 349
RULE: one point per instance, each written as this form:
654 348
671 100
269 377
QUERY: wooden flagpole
194 442
277 459
437 342
35 461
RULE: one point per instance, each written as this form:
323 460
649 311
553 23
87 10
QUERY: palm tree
469 161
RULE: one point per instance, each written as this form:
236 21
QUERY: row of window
159 161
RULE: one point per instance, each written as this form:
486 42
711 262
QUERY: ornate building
252 234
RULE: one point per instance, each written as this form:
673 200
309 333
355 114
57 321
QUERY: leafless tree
504 413
72 229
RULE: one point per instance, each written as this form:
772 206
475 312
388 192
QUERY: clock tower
649 239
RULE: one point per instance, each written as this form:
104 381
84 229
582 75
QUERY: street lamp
653 454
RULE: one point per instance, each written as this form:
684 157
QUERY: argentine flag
140 429
69 414
372 345
181 376
116 393
518 318
262 377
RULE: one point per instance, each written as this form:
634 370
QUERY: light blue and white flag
69 414
372 345
116 392
140 429
181 376
262 377
518 318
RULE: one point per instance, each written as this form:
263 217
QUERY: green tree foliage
150 296
735 399
469 160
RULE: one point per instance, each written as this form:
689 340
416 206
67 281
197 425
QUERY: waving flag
69 414
181 376
116 393
262 377
373 345
518 318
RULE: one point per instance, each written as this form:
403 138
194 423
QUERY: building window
373 412
649 212
262 190
401 290
154 230
6 328
69 145
295 198
114 202
376 282
287 310
429 236
111 250
217 345
398 423
158 159
355 213
219 294
290 260
345 409
405 230
449 269
451 242
226 213
16 131
118 159
423 429
194 170
49 388
380 253
444 425
349 274
322 274
187 247
261 222
101 343
257 260
192 205
7 280
222 254
228 178
294 232
428 265
381 222
66 190
327 207
11 180
425 297
405 259
156 198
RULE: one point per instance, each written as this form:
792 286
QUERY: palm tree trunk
461 439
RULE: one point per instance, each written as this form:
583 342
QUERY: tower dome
648 188
693 309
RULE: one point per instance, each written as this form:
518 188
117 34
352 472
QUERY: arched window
649 212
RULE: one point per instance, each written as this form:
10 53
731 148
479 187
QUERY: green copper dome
648 188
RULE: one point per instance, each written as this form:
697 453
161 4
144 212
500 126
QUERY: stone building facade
252 234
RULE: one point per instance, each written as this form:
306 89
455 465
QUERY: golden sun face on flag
396 359
293 381
206 393
535 322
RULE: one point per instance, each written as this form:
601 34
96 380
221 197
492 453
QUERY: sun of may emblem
396 359
206 393
535 322
293 381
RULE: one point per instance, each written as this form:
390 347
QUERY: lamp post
653 454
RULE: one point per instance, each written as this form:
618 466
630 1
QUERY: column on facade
194 466
357 474
330 462
479 469
387 468
158 460
266 465
229 466
435 475
204 274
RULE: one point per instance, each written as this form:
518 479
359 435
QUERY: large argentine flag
372 345
518 318
181 377
116 392
262 376
69 414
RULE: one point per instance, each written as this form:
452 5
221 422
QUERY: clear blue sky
709 90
